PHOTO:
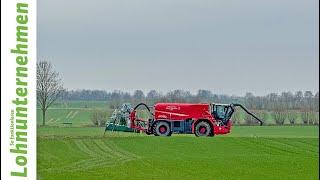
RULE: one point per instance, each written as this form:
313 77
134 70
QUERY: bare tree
279 116
49 86
204 95
99 117
138 96
306 116
153 96
236 117
292 117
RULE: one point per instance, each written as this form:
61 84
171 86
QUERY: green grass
236 131
275 131
267 152
77 116
77 112
80 104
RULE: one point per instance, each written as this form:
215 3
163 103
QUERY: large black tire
203 129
162 128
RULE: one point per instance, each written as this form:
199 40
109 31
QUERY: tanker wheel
162 128
148 133
202 129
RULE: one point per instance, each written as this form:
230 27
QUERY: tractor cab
222 112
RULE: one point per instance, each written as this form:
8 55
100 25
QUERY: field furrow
292 146
99 154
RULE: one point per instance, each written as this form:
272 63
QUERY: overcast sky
227 46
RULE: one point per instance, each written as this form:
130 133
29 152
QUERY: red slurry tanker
200 119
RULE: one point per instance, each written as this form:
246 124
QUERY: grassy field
267 152
76 112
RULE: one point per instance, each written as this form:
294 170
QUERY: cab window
220 112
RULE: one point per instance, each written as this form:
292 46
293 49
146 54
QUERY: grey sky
229 47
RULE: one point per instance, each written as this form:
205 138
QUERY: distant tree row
302 101
276 117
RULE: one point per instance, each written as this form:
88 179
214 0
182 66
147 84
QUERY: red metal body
171 112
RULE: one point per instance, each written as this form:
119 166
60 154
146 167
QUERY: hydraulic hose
143 104
250 113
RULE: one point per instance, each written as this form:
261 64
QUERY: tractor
203 119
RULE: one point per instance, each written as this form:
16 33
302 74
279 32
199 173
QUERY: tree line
284 106
304 101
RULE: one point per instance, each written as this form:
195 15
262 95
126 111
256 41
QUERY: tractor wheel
202 129
162 128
